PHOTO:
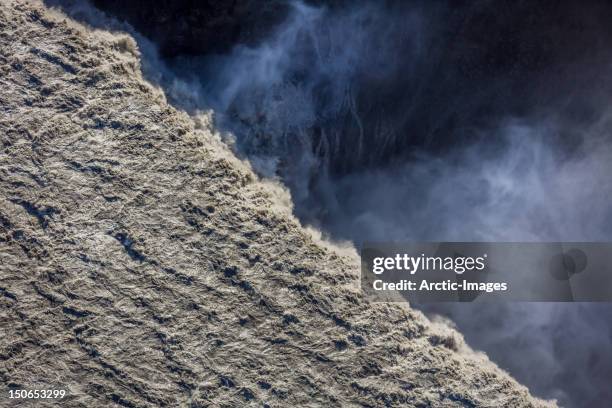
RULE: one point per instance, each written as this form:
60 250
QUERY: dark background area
480 61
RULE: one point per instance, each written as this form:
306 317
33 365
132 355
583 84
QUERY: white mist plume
276 97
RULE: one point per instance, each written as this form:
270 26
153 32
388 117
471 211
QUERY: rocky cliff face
141 264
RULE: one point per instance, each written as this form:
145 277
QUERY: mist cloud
300 101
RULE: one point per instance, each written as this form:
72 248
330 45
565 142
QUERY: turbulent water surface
420 121
143 264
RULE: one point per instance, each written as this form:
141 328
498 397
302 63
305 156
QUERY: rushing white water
344 107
